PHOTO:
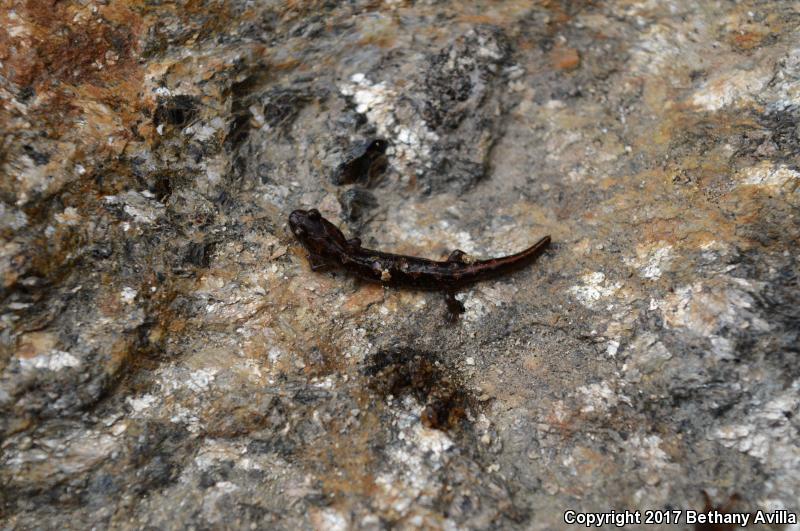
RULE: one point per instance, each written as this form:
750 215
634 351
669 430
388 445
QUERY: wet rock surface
167 358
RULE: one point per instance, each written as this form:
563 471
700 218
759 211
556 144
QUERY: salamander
328 247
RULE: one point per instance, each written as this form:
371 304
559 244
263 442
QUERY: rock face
168 359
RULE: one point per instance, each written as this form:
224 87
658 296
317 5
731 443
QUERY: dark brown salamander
327 246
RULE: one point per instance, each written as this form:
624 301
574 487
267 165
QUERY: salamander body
328 247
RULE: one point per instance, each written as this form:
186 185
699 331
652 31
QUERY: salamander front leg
317 263
454 306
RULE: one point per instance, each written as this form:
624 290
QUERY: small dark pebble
362 164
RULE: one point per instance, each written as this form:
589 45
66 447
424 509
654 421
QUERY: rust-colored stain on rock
564 58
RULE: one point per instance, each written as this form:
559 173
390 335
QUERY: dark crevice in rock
177 111
403 371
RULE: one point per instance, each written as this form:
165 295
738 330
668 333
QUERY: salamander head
316 233
306 224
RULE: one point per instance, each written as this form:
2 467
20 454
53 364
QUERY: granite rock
168 359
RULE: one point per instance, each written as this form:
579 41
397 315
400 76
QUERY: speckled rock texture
168 359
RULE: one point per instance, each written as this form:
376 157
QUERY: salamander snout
303 222
296 221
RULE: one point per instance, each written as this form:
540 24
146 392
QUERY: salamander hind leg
457 256
454 306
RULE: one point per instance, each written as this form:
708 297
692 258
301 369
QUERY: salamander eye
314 214
378 145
